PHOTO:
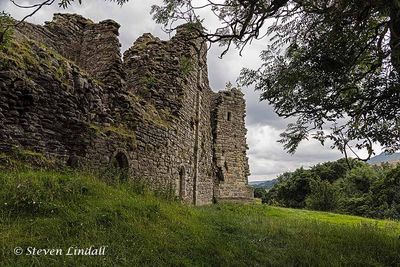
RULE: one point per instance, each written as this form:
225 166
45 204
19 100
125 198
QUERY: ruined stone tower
230 146
70 96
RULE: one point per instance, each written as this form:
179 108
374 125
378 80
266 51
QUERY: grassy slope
59 210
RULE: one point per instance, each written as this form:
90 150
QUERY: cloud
266 157
134 17
269 159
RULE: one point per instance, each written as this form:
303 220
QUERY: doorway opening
120 165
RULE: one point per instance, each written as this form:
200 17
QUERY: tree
355 190
332 64
334 170
323 196
292 190
260 193
386 194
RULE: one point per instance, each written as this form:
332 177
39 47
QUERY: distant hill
263 184
385 157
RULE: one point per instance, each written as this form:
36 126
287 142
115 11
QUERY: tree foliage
364 190
292 189
332 64
260 193
323 196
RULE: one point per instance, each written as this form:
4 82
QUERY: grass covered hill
48 209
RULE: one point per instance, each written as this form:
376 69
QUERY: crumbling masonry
65 92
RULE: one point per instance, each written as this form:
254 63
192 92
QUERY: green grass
45 209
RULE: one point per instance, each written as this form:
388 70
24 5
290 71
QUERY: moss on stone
18 157
18 54
6 29
160 117
120 130
140 46
23 53
149 81
186 65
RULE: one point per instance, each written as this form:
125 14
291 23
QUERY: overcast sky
266 157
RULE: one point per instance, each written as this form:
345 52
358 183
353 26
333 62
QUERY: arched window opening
121 166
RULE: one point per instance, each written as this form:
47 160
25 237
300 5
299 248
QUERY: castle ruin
66 92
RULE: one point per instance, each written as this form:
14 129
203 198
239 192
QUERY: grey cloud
268 157
3 5
228 69
261 113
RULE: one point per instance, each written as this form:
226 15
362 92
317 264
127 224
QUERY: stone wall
50 105
94 47
167 75
66 92
230 146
